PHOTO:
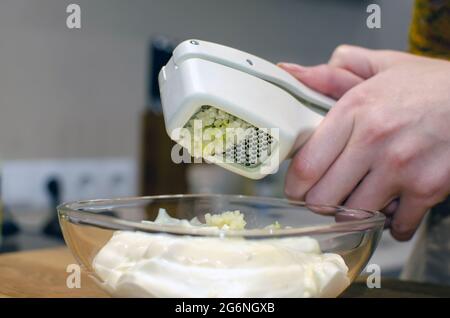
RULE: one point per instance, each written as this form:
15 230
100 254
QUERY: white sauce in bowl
137 264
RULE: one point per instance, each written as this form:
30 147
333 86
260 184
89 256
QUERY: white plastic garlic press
204 79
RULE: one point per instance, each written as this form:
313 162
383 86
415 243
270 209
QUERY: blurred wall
78 93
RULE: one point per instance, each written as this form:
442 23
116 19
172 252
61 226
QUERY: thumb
326 79
363 62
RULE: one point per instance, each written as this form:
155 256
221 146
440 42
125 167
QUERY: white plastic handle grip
251 64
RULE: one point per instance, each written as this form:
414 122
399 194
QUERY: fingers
375 192
363 62
328 80
348 66
390 209
405 221
354 59
341 178
321 150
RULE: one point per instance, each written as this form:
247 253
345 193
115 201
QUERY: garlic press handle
253 65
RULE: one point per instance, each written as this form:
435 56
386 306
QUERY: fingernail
391 207
292 67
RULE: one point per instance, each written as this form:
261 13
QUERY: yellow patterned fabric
430 29
430 259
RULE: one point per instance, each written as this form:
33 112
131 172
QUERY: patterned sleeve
430 28
430 258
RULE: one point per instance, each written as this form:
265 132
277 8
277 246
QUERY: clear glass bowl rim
70 211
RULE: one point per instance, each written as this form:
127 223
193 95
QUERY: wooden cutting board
42 273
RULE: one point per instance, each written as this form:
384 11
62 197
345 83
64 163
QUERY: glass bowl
317 252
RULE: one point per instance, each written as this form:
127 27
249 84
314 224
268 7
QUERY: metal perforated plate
248 149
253 150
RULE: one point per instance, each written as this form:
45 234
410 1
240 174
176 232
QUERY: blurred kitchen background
80 116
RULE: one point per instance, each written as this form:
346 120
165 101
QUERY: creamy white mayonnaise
137 264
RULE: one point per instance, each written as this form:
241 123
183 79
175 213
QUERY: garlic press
235 109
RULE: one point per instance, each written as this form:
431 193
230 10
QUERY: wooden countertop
42 273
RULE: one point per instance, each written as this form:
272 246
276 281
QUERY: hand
385 145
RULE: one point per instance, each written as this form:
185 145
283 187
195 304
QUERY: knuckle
340 51
304 169
372 123
354 98
400 157
426 188
372 131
